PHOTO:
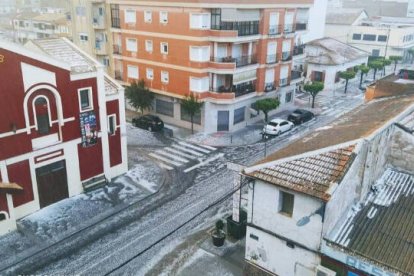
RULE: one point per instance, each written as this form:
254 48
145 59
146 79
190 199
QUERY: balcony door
223 121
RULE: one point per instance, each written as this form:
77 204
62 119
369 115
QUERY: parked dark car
300 116
148 122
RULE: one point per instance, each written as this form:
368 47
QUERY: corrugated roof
312 175
332 52
343 16
381 228
358 123
64 50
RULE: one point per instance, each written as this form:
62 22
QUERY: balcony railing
298 50
288 29
271 59
286 56
117 49
242 28
283 82
239 89
118 75
223 59
240 61
301 26
294 74
269 86
274 30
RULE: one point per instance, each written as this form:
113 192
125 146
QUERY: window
116 22
200 53
369 37
132 72
286 203
85 99
150 73
42 115
83 37
112 124
131 45
164 76
382 38
164 48
80 11
164 107
130 17
239 115
199 84
375 52
163 17
356 36
215 19
147 16
148 45
288 97
186 117
200 21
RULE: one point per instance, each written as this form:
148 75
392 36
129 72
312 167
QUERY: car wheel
150 128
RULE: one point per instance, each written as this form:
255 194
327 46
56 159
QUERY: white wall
316 27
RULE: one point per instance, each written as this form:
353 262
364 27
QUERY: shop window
239 115
164 107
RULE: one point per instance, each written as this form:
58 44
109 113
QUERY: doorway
223 121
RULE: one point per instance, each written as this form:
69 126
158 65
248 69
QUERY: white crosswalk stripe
179 153
159 157
169 155
188 150
208 147
194 147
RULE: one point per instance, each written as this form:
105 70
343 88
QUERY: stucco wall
401 150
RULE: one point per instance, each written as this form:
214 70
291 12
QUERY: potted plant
218 234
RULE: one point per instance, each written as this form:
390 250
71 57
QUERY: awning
10 188
244 77
235 15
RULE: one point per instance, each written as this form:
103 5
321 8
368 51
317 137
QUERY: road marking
180 159
180 153
156 156
187 150
217 156
208 147
162 165
194 147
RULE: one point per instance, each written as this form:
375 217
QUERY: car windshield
298 112
272 124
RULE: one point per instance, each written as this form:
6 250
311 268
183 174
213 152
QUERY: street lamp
306 219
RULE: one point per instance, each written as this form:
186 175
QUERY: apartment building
7 6
91 28
230 53
28 26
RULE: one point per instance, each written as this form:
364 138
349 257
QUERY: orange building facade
229 53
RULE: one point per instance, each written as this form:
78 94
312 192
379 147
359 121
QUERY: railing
116 22
223 59
245 60
298 50
288 29
117 49
238 90
118 75
295 74
269 86
274 30
286 56
243 28
283 82
301 26
271 59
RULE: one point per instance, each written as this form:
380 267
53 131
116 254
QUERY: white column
250 51
123 133
214 81
215 49
9 198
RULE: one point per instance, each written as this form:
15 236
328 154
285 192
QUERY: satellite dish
303 221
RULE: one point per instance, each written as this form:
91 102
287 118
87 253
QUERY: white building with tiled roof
314 206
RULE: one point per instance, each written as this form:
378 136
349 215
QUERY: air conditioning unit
323 271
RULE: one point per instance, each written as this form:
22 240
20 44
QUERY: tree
266 105
347 75
385 62
313 88
363 69
376 65
139 96
192 106
395 59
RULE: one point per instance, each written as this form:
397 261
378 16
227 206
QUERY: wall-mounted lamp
13 127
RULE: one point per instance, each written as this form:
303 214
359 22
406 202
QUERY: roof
343 16
408 122
332 52
313 175
64 50
382 8
111 86
381 228
277 120
51 17
358 123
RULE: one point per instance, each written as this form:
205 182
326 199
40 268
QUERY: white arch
6 214
58 100
48 110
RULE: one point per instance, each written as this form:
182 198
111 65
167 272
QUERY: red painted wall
20 174
115 154
90 160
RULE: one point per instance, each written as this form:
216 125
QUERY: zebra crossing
180 154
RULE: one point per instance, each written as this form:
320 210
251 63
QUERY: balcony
288 29
283 82
274 30
238 89
301 26
117 49
118 75
242 28
270 59
295 75
269 86
299 50
100 47
240 61
98 22
286 56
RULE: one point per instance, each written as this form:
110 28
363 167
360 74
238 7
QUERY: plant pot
218 238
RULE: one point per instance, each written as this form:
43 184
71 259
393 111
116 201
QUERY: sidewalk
70 215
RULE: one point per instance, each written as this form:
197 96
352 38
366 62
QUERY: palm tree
139 96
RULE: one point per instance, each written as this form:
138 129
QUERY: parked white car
277 126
